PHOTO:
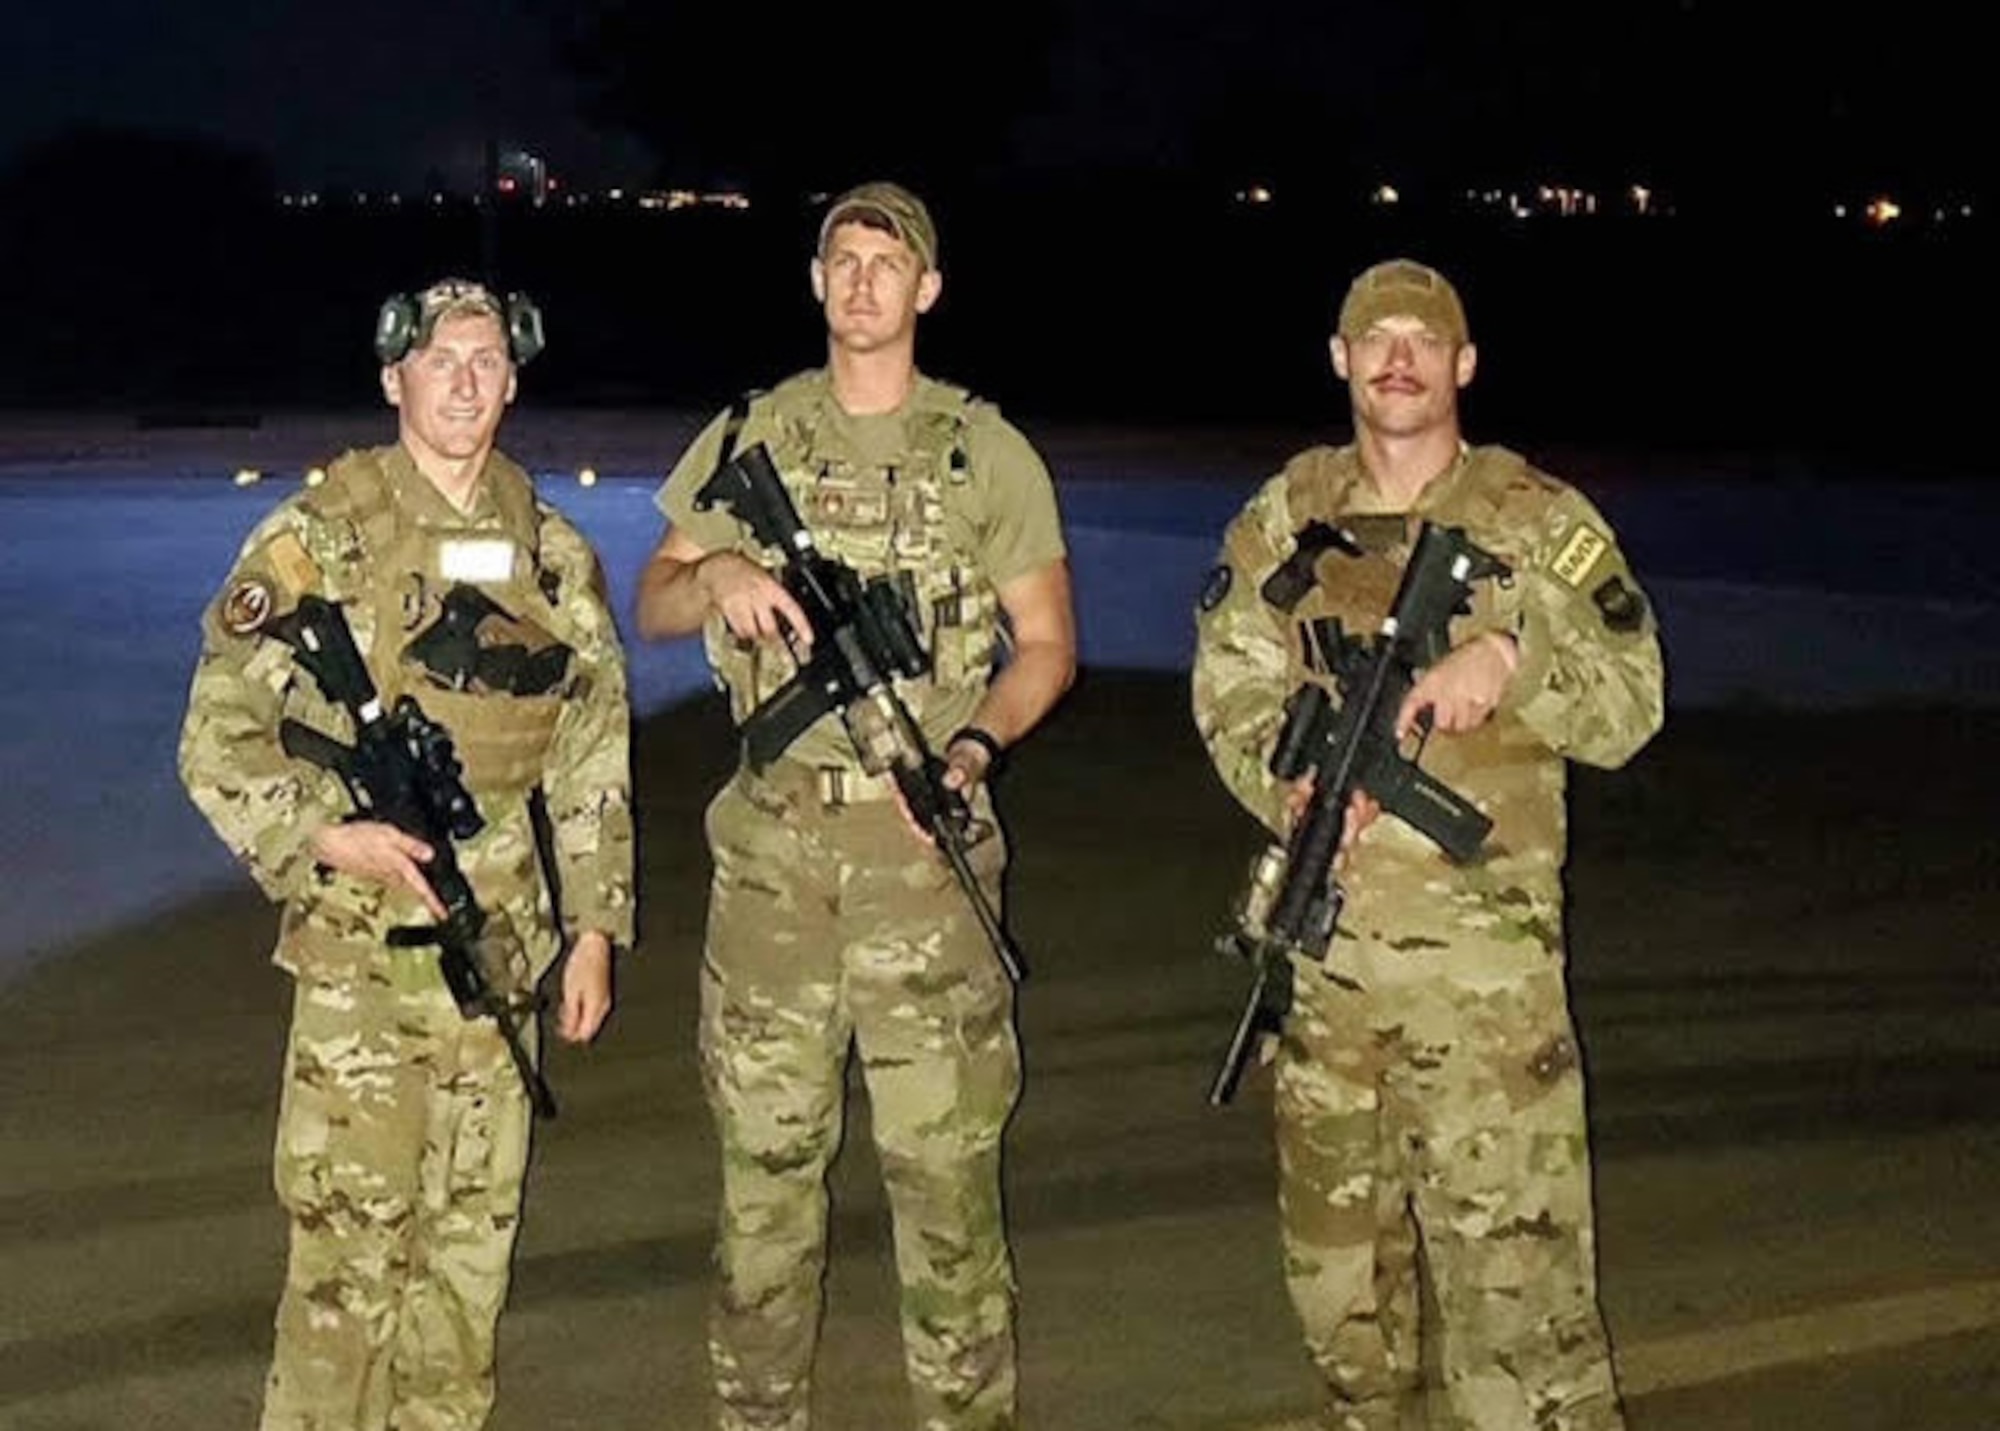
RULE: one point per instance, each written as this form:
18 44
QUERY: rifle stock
790 711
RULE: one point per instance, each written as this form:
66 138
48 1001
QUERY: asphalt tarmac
1783 964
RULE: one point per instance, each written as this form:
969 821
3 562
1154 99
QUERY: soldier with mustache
1429 1091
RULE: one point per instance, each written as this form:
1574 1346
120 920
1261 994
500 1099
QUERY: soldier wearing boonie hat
403 1125
831 924
1429 1095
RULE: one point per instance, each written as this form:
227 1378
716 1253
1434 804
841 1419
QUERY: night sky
359 93
370 93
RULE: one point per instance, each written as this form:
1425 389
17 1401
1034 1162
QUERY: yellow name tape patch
1578 555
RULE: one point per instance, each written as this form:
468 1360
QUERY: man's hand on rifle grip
372 850
1362 811
753 603
1462 690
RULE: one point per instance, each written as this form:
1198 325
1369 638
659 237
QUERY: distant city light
523 180
671 199
1567 201
248 476
587 477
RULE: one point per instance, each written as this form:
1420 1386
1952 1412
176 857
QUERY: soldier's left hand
586 988
966 764
1461 690
1362 811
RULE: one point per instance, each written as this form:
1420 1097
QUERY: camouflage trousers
1430 1111
830 926
402 1144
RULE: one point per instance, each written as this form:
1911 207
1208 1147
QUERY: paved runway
1784 967
1783 961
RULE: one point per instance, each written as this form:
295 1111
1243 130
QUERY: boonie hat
886 206
1403 287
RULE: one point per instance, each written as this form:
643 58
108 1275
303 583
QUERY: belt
829 786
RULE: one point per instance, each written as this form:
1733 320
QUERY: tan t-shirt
1012 499
1005 513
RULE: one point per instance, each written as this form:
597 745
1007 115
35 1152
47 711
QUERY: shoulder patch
1623 608
1220 578
246 606
1579 554
290 563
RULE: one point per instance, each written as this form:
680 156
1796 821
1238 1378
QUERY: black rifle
863 639
1293 901
403 771
454 654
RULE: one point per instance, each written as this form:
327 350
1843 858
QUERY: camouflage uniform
403 1133
828 923
1428 1081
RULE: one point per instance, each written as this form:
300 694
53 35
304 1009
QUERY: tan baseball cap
885 206
1403 287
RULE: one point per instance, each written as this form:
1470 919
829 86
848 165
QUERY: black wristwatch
985 740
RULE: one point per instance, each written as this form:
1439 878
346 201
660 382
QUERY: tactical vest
909 518
1358 591
501 736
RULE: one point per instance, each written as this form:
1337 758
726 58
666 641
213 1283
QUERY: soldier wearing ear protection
403 1132
406 320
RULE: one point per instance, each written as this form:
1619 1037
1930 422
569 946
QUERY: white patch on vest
476 559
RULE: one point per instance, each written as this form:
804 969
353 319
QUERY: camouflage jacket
380 541
1589 685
